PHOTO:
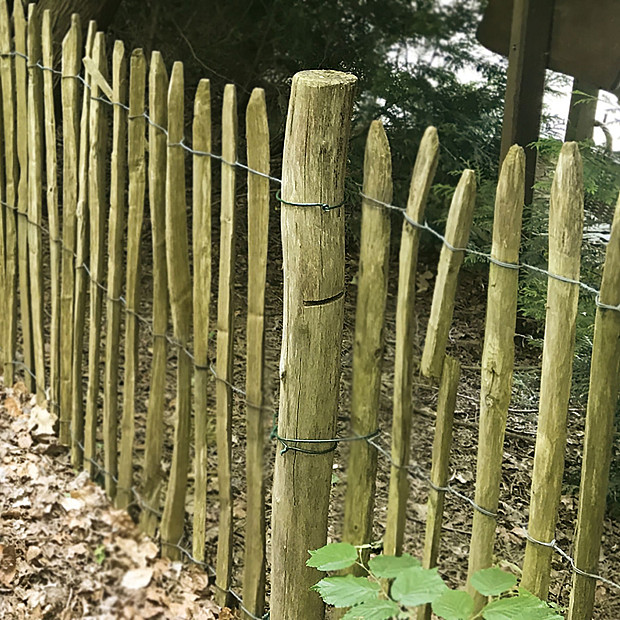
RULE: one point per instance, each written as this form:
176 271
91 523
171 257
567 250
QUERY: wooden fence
72 258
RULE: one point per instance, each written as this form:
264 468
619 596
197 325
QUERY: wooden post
35 196
369 330
21 101
257 138
9 119
135 200
565 236
442 444
225 338
457 235
79 292
602 401
423 173
497 358
71 48
97 218
530 37
116 233
313 171
201 239
582 112
180 292
51 178
158 111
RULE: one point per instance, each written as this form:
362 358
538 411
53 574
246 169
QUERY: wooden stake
51 177
225 335
180 291
257 137
71 46
440 472
497 357
98 159
369 328
21 100
137 188
158 111
457 235
9 118
565 235
602 401
201 230
423 173
79 293
116 233
313 172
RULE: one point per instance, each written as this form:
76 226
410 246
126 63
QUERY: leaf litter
65 551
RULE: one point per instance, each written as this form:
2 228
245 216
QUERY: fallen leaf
41 421
8 564
71 503
12 407
137 578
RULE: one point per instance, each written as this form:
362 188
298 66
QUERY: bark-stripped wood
423 173
313 169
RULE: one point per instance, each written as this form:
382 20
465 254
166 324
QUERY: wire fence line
398 209
371 438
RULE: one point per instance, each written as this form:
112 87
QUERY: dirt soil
65 551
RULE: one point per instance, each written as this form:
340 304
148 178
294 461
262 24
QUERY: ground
65 551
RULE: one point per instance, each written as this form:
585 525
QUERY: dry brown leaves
65 552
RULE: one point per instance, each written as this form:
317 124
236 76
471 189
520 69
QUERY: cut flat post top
313 169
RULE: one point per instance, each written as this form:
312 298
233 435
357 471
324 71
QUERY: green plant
393 586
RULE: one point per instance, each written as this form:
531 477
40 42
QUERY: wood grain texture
9 119
201 239
257 140
497 356
458 226
423 174
116 234
369 336
599 433
136 162
315 149
71 47
565 236
51 182
225 339
21 102
35 198
98 215
81 278
158 111
180 292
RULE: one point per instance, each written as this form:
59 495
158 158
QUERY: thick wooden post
313 172
602 400
565 235
369 330
530 38
582 112
497 358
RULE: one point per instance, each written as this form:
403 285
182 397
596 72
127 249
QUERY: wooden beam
530 38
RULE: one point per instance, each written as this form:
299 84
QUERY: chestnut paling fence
77 227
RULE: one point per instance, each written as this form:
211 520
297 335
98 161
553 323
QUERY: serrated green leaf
523 607
346 591
454 605
334 556
389 567
493 581
417 586
373 610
